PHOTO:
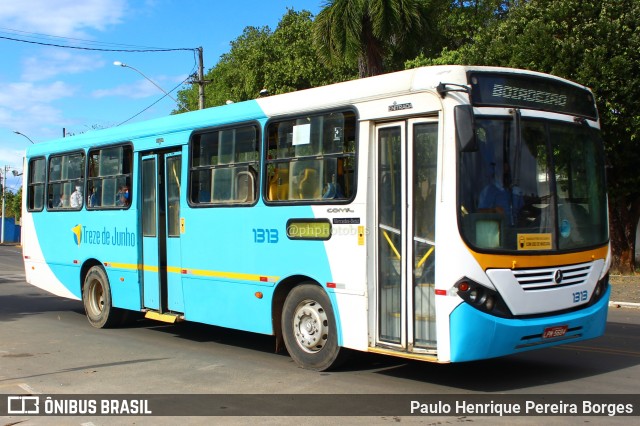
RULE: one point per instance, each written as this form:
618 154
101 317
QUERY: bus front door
405 242
162 284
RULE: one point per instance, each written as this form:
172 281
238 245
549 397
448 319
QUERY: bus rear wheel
309 329
96 297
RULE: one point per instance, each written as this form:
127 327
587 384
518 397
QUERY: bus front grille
553 277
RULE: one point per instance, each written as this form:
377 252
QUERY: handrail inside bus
386 236
426 256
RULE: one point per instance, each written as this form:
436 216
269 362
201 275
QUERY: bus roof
325 97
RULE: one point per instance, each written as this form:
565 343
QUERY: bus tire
309 329
96 297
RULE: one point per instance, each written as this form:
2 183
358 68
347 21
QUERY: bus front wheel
309 329
96 297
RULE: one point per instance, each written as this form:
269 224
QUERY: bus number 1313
261 235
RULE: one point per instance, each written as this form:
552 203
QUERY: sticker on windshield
534 242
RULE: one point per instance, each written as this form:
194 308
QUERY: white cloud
27 95
141 88
138 90
53 63
64 18
12 157
27 106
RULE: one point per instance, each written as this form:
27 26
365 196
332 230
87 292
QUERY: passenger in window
122 197
92 198
75 201
61 202
332 190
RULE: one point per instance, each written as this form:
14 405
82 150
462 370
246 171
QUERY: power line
13 32
134 116
96 48
197 50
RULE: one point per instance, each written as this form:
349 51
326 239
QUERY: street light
22 134
121 64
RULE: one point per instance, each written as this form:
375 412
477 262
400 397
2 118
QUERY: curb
624 305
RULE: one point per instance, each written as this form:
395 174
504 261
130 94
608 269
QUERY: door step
169 318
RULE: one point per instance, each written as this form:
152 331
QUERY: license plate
551 332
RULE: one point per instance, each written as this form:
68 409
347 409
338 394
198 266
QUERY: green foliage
280 61
457 25
13 204
464 19
239 74
378 35
295 63
16 205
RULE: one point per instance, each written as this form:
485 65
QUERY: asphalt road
47 347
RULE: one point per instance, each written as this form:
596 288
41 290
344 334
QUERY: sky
45 89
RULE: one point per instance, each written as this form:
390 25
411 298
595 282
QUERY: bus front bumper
477 335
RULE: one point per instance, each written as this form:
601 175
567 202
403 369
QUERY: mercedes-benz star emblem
557 276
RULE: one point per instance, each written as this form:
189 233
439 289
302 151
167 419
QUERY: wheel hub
310 326
97 298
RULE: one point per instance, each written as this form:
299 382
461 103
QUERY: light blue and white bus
442 214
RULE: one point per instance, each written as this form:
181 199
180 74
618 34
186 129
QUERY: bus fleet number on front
262 235
580 296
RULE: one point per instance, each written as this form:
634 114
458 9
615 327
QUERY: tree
239 74
465 18
596 44
280 61
457 24
13 204
295 64
368 31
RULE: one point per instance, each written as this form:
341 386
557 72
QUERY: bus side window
311 158
36 184
223 166
66 181
109 178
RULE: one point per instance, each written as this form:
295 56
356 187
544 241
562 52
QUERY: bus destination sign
507 90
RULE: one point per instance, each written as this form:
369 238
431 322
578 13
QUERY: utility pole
4 184
201 81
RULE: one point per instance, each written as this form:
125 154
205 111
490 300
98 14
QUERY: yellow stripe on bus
232 275
197 272
124 265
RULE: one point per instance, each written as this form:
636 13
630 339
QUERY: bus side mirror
465 128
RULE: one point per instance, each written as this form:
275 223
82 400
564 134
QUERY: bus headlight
600 289
489 303
482 298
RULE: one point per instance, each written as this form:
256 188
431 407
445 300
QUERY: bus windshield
532 185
